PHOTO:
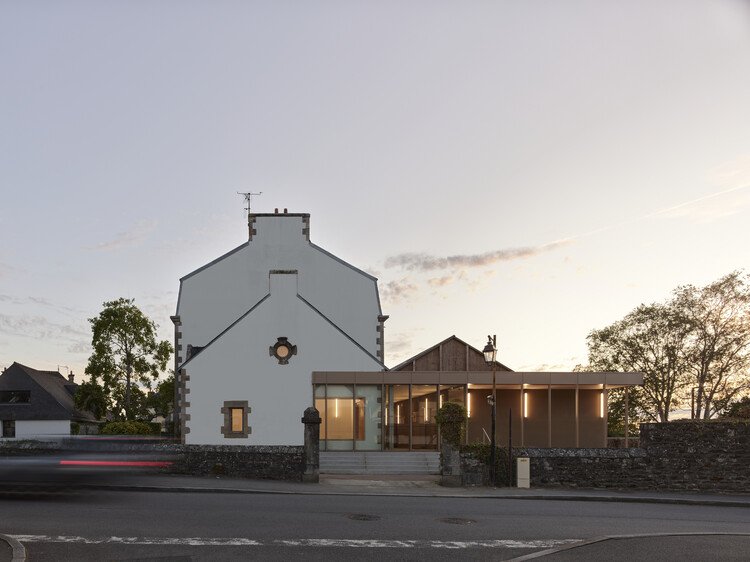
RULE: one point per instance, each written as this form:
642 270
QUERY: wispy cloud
38 327
5 270
709 207
83 347
399 344
132 237
732 173
37 301
733 178
427 262
441 281
398 290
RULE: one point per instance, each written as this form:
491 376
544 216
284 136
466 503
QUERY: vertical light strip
468 404
337 407
441 401
426 417
398 414
526 403
601 405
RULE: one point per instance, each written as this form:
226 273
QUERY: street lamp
490 352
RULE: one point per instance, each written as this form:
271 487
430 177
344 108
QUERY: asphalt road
182 526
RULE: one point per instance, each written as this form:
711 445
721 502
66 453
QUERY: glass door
339 417
367 423
424 404
397 417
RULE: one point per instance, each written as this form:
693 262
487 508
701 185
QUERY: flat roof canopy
506 379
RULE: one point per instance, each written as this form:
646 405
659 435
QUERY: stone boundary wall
266 462
278 462
680 456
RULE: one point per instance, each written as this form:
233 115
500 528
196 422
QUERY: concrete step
378 462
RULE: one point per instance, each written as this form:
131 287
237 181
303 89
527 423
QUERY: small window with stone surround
235 419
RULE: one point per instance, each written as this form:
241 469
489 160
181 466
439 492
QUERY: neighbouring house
39 404
278 324
252 325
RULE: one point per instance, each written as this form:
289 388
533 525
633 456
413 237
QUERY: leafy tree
739 409
616 412
91 397
161 401
719 351
696 342
126 355
138 402
651 339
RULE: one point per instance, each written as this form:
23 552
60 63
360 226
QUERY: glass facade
391 417
401 417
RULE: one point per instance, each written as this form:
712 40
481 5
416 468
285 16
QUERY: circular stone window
282 350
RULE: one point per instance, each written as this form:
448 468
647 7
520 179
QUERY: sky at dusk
531 169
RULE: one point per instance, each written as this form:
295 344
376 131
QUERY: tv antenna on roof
248 198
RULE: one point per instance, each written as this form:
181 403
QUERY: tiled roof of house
56 386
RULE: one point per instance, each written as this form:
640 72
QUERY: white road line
182 541
320 543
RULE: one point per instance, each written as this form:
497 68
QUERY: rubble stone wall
681 456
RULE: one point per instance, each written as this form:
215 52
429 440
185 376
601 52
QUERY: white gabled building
252 325
279 324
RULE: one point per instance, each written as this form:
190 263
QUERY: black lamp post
490 352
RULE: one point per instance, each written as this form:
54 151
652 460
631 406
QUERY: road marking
375 543
319 543
158 541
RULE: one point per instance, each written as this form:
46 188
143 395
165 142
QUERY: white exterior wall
214 297
26 429
237 366
344 295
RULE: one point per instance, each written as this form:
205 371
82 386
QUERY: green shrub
451 418
483 453
75 428
127 428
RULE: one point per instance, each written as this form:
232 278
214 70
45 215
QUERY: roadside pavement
409 485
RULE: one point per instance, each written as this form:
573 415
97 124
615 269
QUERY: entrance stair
379 462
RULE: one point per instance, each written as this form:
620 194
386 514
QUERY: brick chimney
71 377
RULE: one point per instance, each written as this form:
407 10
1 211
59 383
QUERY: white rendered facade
29 429
231 311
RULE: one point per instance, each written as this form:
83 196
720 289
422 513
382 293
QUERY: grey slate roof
51 395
